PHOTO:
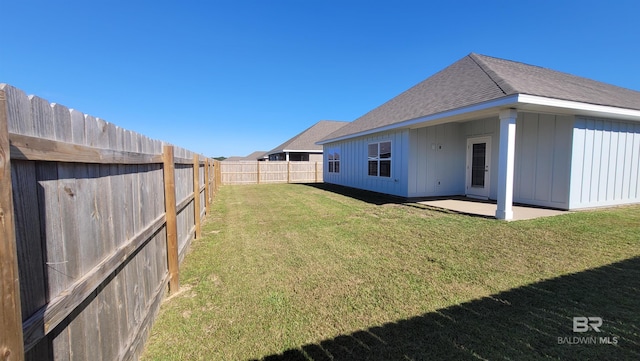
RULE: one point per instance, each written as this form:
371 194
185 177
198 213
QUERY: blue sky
226 78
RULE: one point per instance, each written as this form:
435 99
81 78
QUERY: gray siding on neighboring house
354 166
605 163
315 157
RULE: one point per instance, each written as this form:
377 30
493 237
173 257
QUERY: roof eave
294 151
522 102
544 104
445 117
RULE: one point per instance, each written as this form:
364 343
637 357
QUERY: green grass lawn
288 272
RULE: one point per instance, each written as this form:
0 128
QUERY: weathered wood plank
11 341
85 210
107 298
170 209
116 142
47 318
18 110
140 333
25 147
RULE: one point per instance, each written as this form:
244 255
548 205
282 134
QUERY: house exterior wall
605 163
488 127
315 157
354 166
561 161
542 159
436 161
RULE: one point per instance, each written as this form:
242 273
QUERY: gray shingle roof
307 139
478 78
258 154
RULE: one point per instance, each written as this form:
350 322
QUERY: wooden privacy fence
255 172
94 222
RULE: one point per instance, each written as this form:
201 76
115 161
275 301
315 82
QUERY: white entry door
478 167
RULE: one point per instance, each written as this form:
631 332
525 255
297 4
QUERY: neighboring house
303 146
497 129
257 155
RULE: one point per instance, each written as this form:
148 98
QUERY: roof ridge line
473 56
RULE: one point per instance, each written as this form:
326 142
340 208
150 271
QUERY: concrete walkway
488 208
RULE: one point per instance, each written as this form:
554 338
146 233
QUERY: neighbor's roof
258 154
253 156
306 141
478 78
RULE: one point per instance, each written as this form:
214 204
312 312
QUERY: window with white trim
379 159
333 158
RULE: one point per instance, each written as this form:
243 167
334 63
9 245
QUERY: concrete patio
486 208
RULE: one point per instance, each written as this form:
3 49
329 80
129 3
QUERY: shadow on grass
524 323
359 194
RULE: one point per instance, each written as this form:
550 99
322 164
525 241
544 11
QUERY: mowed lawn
315 272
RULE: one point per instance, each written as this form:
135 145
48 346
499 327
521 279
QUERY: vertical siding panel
596 165
413 166
577 163
634 191
603 178
614 169
423 158
544 157
616 157
529 140
587 175
519 156
562 170
626 140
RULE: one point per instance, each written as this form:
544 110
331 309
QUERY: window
333 157
379 159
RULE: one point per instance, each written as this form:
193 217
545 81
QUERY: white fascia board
580 108
508 101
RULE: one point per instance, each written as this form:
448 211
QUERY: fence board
11 341
255 172
91 233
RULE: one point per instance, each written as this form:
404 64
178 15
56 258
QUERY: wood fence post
258 162
11 339
206 186
316 167
172 222
288 172
196 193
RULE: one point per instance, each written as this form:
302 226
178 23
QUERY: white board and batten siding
543 159
561 161
354 163
488 127
436 161
605 163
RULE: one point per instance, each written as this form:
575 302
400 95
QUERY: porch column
506 158
286 156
